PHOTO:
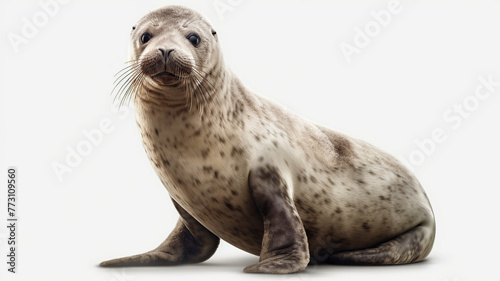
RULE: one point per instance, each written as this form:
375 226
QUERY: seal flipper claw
147 259
189 242
280 264
284 245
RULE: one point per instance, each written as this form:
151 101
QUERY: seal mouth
166 78
165 73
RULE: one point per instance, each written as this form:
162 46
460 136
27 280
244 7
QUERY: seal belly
217 196
228 213
240 168
206 174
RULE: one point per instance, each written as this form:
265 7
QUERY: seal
240 168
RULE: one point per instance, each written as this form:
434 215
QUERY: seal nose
165 53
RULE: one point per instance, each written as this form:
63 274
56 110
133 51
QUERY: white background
393 93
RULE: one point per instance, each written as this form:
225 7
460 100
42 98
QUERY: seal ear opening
214 34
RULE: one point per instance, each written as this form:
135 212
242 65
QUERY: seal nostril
165 53
162 51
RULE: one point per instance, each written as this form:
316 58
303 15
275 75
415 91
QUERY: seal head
245 170
172 50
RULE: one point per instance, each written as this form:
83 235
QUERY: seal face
240 168
170 48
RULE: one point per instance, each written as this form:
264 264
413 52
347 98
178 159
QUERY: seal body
243 169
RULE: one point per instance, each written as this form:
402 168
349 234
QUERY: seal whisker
125 86
129 81
200 74
124 78
189 92
124 72
201 95
254 174
183 76
205 85
125 75
129 64
136 85
197 84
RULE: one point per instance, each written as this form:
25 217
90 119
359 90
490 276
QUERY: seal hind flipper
189 242
246 168
284 245
409 247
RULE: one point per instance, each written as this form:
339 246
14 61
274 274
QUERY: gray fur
243 169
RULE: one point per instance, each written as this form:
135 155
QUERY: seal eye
146 37
194 39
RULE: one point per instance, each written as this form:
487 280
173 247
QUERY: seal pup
242 169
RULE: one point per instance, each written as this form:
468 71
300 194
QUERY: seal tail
409 247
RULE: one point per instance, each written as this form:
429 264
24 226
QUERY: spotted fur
245 170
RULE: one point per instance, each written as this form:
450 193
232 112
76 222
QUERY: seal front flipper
189 242
284 244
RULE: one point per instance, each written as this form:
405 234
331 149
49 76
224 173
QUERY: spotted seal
240 168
